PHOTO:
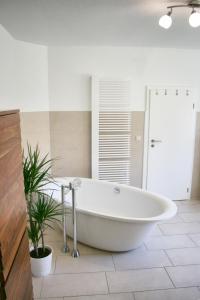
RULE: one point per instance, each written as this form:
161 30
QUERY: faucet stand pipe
65 246
75 252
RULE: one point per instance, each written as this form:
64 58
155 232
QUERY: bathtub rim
169 207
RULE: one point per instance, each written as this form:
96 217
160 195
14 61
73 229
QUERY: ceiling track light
194 20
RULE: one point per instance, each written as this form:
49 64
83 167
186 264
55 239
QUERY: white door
170 143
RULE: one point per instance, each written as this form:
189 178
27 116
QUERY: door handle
156 141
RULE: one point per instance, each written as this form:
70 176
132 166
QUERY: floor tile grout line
41 286
126 292
133 295
171 248
184 233
195 243
90 295
185 265
160 228
114 263
145 246
86 272
82 295
170 277
172 264
175 248
183 248
158 289
107 283
54 272
102 294
126 270
168 289
177 222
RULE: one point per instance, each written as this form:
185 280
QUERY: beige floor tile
187 256
61 285
85 263
138 280
57 247
185 276
156 231
37 286
175 219
49 298
169 242
171 294
124 296
171 236
187 202
190 217
53 235
189 208
195 238
180 228
140 260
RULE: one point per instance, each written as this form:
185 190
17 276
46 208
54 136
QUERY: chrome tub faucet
65 189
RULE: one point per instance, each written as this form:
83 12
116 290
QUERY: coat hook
165 92
187 93
176 92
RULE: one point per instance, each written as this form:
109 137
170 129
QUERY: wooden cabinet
15 273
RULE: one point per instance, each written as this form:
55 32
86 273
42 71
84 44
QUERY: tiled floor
166 267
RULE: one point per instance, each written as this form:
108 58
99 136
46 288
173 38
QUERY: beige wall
35 129
67 137
137 148
71 143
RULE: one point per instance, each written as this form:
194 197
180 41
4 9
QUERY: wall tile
71 143
66 135
35 129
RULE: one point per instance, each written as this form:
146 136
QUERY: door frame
146 127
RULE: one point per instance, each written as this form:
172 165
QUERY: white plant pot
41 266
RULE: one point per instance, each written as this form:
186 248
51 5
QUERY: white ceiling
97 23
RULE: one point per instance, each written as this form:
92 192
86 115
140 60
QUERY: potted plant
41 208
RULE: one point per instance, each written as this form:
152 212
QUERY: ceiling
97 23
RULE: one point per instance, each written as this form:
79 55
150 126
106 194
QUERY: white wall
24 86
70 69
6 68
23 75
29 72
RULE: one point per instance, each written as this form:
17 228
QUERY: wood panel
9 112
15 273
2 291
13 207
19 283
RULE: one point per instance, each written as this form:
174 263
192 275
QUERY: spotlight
166 20
194 19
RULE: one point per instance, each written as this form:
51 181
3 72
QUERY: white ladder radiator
111 130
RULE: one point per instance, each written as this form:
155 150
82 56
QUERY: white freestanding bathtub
114 217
